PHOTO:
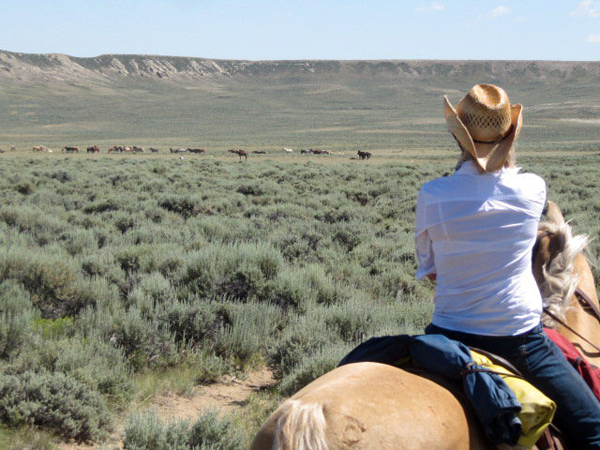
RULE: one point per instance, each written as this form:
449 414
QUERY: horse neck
559 268
580 319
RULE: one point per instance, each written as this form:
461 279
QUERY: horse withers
370 406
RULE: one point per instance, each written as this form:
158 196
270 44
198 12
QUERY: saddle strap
562 322
548 440
587 303
470 368
498 360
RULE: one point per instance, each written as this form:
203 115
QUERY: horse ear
554 214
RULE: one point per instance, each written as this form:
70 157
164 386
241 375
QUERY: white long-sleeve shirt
477 232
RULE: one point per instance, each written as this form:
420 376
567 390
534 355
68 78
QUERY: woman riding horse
475 233
370 406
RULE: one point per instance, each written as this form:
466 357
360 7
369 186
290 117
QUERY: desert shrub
304 336
185 205
155 287
251 327
14 298
143 340
290 291
102 206
190 321
15 332
301 244
357 319
214 432
51 279
98 365
242 271
210 367
219 228
396 281
243 283
254 189
32 219
198 275
146 431
133 258
101 264
24 187
347 235
55 402
312 367
326 290
124 222
78 241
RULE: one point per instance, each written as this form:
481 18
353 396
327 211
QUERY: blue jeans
542 363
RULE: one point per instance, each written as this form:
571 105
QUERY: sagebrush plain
116 270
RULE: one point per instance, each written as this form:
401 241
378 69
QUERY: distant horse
196 150
364 155
288 150
39 148
135 149
178 150
153 150
370 406
240 153
94 149
259 152
70 149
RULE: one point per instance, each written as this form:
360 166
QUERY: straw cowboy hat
485 124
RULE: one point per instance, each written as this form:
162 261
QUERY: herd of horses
371 406
120 149
94 149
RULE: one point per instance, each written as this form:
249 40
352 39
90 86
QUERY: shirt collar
469 168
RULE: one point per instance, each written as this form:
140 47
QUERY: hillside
58 67
165 101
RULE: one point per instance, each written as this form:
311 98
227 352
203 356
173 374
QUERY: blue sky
307 29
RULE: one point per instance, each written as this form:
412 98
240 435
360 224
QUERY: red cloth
589 372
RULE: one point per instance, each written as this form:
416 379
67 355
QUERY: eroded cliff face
42 68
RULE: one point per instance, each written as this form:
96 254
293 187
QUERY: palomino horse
370 406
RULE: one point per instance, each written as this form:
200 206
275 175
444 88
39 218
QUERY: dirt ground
227 395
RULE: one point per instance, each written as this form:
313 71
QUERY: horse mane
560 279
301 427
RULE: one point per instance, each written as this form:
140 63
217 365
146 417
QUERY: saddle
480 374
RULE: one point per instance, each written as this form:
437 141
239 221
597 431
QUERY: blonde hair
511 157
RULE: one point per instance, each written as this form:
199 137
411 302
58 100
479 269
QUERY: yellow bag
537 410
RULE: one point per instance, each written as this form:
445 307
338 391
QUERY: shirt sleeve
423 244
425 255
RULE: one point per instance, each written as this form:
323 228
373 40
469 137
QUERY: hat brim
489 157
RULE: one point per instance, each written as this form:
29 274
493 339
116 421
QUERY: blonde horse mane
560 280
301 427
